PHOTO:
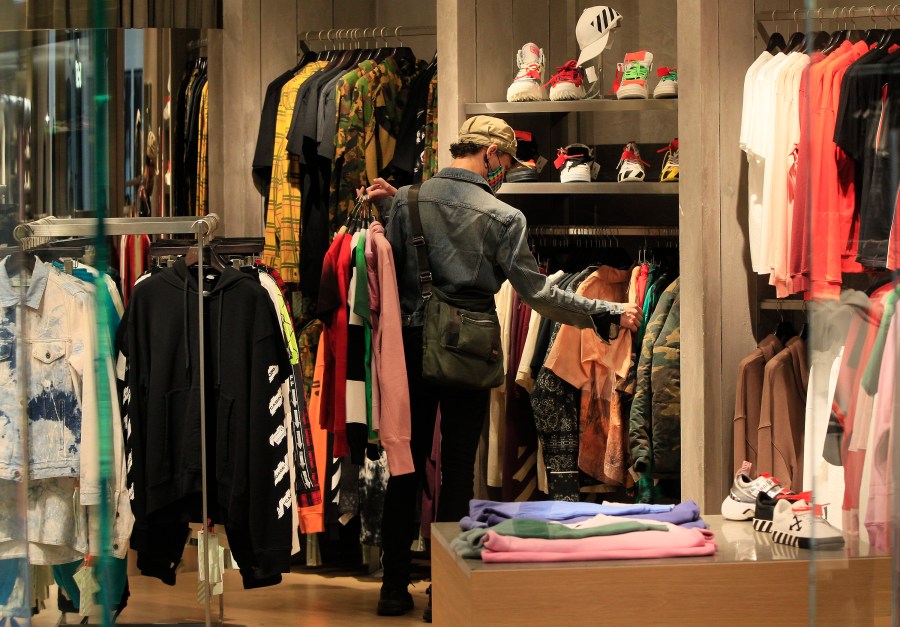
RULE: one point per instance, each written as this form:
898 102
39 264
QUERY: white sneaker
527 87
667 87
631 166
802 524
574 163
740 504
567 83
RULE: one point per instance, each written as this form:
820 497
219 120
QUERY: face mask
495 177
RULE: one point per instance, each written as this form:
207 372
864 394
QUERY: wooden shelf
670 189
573 106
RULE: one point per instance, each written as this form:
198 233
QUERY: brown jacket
783 415
748 398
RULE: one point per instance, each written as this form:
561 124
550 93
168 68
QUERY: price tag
87 586
595 170
216 556
539 164
590 73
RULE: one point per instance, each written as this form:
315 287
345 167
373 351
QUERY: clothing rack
198 44
603 231
775 304
361 34
821 14
203 227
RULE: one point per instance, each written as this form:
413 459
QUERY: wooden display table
750 580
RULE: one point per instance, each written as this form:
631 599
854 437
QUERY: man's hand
632 316
381 189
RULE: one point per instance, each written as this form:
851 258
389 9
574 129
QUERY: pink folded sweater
676 542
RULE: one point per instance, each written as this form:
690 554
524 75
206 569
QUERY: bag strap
418 241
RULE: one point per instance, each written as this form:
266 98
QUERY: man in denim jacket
475 242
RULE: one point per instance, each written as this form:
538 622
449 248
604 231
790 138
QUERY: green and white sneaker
667 87
632 75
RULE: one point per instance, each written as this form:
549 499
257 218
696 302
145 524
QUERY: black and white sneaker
574 163
765 507
802 524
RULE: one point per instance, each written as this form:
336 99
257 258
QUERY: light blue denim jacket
58 347
475 242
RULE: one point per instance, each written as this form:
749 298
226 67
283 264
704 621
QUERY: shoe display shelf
572 106
710 590
647 188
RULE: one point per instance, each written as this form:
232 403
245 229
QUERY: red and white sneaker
567 83
631 77
527 87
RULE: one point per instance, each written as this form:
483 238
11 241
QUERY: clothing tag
590 73
216 556
87 586
539 164
595 170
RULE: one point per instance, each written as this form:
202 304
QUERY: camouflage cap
485 130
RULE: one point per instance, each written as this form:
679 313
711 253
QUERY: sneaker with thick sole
631 167
740 504
634 72
667 87
670 169
567 83
525 170
394 600
804 525
527 85
574 163
764 513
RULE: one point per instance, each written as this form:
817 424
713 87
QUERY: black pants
462 416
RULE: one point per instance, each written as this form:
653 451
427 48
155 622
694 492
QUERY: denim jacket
475 242
61 397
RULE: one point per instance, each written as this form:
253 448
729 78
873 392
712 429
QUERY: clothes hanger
784 330
837 37
891 35
823 37
216 262
19 261
874 34
797 41
776 41
854 34
402 53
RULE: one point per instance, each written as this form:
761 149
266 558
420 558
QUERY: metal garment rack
203 227
839 14
775 304
602 231
363 34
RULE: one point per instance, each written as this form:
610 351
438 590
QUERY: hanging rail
821 14
775 304
364 33
198 44
602 231
86 227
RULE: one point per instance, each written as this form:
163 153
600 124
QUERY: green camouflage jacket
655 422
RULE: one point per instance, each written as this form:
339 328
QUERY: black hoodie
245 363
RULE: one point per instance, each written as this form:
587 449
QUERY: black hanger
776 43
821 40
210 255
19 261
784 330
797 43
889 38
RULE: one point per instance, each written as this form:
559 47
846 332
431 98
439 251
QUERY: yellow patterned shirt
282 247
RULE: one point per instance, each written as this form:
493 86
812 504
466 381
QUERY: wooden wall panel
456 75
495 46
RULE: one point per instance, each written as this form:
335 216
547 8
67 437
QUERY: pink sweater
389 359
676 542
881 486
